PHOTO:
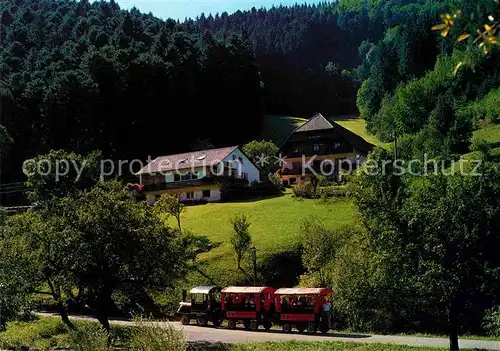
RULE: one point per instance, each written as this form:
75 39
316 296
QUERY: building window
190 195
206 193
177 177
317 147
336 146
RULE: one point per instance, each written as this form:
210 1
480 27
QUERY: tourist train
305 309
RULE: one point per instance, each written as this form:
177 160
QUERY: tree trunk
179 223
60 306
453 325
103 319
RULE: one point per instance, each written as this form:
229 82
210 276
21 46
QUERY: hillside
275 229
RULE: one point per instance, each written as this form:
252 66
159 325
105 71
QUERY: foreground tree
59 173
437 235
240 239
18 277
103 242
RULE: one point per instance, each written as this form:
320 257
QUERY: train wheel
185 320
254 325
311 328
287 328
324 330
231 324
267 325
246 324
217 322
301 328
202 321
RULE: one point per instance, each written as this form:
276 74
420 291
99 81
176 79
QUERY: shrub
89 336
322 181
304 190
491 321
275 180
332 191
42 334
156 336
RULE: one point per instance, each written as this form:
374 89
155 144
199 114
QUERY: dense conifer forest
85 76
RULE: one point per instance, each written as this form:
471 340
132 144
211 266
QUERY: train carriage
253 306
303 308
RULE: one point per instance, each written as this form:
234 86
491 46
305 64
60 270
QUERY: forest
85 76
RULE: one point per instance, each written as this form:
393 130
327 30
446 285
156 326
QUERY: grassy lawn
328 345
274 227
277 128
49 333
491 134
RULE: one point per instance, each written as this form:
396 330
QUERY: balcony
223 180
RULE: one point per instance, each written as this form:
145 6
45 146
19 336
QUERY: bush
332 191
275 180
156 336
304 190
42 334
89 336
322 181
492 321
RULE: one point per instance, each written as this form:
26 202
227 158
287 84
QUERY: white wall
215 195
245 167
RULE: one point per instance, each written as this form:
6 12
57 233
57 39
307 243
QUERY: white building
198 175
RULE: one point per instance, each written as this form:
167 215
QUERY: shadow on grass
204 275
275 330
282 269
253 198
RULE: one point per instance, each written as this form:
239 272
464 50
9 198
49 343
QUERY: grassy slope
489 133
275 227
275 222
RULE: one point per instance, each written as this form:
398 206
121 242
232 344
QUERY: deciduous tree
240 238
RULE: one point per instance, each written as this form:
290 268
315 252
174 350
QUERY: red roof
187 160
245 289
303 291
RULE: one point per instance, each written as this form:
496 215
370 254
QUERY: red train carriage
253 306
304 308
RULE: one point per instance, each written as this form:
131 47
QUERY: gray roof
203 289
187 160
318 122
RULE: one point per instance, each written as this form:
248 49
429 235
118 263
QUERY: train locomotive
304 309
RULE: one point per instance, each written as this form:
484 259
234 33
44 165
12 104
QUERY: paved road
210 334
